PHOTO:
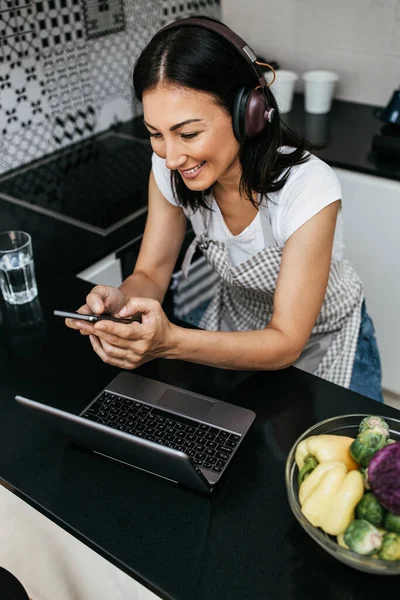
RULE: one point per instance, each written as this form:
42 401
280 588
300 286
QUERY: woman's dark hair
201 59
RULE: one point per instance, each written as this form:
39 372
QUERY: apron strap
202 240
188 258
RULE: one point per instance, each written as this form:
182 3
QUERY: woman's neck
236 210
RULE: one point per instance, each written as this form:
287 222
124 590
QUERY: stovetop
98 185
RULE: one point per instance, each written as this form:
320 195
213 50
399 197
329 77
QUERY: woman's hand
102 299
129 346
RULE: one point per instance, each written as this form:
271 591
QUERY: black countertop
241 543
343 137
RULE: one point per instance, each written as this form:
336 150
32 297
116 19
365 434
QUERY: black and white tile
68 77
110 61
59 22
25 145
18 35
103 17
23 95
73 126
143 20
66 68
178 9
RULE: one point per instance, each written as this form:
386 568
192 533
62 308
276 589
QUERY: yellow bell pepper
317 502
322 448
328 501
340 511
341 542
311 482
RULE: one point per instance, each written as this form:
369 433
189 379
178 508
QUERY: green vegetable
362 537
390 549
310 462
367 442
364 475
375 423
369 509
392 522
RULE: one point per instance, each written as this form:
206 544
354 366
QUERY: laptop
170 432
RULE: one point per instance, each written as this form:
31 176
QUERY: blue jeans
366 378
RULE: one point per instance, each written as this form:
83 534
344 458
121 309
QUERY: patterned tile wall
66 67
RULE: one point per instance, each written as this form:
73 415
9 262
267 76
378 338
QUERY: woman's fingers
145 306
118 334
115 352
105 299
129 345
76 324
98 348
101 299
96 299
112 355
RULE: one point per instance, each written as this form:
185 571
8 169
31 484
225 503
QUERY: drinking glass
17 272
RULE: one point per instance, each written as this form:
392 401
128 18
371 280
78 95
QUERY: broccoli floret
369 509
390 549
376 423
364 474
366 444
392 522
362 537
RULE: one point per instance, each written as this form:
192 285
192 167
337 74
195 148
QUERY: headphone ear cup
257 114
250 115
239 113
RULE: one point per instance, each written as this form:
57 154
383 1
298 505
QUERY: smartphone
95 318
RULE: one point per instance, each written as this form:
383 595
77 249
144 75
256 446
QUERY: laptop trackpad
190 405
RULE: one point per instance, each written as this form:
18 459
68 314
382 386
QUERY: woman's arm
159 250
298 298
299 295
162 240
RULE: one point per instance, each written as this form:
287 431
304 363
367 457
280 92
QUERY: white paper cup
283 89
318 91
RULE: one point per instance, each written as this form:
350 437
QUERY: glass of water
17 272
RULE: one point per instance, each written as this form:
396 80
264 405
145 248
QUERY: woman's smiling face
193 134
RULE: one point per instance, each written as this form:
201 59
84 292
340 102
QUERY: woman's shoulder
311 176
312 164
162 176
159 166
310 187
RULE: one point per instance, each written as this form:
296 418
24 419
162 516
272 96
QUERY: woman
266 215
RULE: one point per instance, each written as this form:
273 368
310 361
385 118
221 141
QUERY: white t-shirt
309 188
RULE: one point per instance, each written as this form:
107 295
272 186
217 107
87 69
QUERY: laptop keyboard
209 447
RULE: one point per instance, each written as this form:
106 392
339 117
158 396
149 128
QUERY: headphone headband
251 110
228 34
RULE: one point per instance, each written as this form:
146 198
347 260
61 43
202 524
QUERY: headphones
251 111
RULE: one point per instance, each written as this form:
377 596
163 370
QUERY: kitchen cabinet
371 214
106 271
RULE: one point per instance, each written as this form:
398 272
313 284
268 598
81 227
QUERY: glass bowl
341 425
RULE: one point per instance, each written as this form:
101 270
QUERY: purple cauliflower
384 477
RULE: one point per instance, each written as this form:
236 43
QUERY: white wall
359 39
